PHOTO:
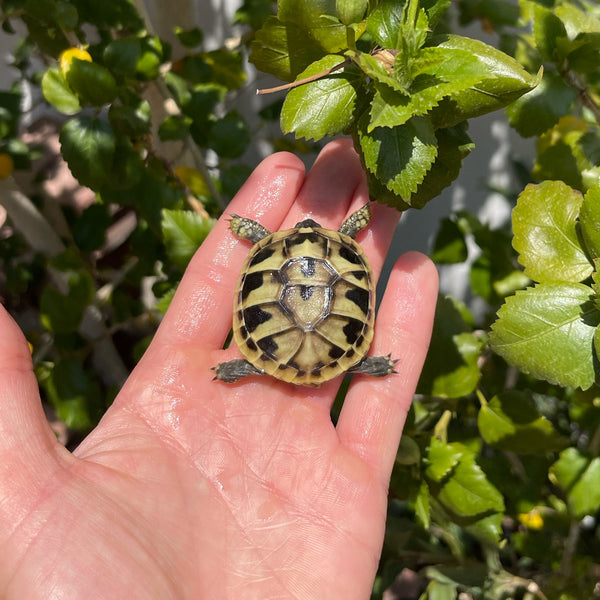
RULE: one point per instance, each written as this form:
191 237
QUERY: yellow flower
532 519
66 58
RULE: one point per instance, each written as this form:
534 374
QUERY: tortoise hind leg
235 369
356 221
375 366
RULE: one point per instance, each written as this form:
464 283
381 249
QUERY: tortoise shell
304 304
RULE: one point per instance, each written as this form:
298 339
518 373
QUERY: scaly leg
235 369
247 229
375 366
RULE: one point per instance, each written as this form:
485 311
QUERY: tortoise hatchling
304 304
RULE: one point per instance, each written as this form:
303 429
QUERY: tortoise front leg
247 229
356 221
375 366
235 369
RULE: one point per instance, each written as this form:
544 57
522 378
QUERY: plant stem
574 81
293 84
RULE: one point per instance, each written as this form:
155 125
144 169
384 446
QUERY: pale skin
190 488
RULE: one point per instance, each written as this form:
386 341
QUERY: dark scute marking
282 367
349 255
336 352
251 282
359 274
301 372
350 353
307 266
333 365
265 357
254 316
243 332
352 330
268 345
307 223
262 255
294 365
300 238
360 297
359 341
240 315
306 291
316 372
251 345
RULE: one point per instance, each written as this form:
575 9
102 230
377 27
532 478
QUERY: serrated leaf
384 22
399 157
589 219
579 477
133 121
451 369
467 495
322 107
538 110
547 30
372 65
283 49
507 81
442 458
57 92
512 421
183 232
548 332
545 233
88 146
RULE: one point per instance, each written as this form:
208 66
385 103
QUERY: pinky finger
374 411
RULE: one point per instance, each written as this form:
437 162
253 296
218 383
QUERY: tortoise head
307 223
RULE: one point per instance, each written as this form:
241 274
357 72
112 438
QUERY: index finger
201 307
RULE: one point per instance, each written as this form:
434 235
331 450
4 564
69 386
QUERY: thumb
26 440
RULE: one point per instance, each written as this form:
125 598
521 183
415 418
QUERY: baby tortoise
304 304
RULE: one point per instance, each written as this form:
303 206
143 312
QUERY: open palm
191 488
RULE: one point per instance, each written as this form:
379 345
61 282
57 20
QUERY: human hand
192 488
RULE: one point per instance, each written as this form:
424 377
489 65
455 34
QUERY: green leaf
578 475
88 146
322 107
351 11
76 397
62 313
451 368
442 459
548 331
318 18
512 421
570 151
547 31
57 92
122 55
538 110
89 230
226 68
385 22
92 82
589 219
399 157
449 245
190 38
183 232
465 492
283 49
230 136
148 64
507 80
545 233
133 121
